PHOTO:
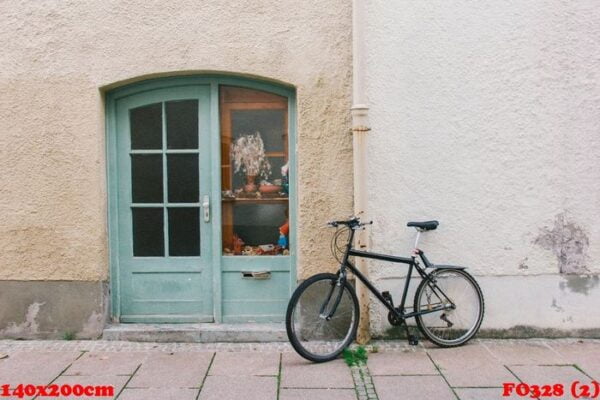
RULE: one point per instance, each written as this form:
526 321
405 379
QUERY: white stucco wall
57 59
486 116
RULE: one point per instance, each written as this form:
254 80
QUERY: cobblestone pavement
265 371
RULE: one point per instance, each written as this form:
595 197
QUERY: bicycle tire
290 314
427 332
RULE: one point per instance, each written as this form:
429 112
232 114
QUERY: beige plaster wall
56 57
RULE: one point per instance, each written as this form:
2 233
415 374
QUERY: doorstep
197 333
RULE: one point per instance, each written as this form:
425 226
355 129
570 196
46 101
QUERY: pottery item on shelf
266 247
250 186
248 251
238 243
269 188
274 250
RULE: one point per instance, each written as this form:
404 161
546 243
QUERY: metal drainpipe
360 127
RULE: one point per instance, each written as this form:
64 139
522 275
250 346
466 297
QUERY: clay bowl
269 189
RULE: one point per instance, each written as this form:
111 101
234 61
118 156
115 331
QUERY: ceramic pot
269 188
250 186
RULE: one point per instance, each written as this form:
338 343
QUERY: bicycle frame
411 262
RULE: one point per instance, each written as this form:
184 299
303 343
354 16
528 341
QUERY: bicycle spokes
323 316
460 308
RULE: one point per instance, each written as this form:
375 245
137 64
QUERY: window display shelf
254 177
250 200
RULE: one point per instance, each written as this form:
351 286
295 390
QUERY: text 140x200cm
28 390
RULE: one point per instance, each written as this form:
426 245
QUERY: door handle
206 207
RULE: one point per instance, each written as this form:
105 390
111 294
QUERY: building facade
99 100
124 198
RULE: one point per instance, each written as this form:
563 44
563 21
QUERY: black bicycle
323 313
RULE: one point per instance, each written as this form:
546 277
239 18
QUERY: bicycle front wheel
322 317
457 325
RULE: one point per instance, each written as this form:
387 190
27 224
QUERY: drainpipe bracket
360 129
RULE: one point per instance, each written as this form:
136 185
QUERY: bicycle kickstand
413 340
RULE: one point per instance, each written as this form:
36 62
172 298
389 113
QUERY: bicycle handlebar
353 222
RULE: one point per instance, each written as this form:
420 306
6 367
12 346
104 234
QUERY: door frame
112 173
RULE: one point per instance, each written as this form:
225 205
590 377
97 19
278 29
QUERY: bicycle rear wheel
313 335
450 327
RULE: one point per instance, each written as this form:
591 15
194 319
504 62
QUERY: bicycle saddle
425 225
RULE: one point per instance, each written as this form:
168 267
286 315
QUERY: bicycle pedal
413 340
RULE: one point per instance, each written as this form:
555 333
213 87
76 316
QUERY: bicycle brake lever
364 225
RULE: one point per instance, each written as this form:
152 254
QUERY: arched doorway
201 215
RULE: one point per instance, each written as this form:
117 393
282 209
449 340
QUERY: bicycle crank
394 319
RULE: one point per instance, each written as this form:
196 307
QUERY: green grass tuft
355 357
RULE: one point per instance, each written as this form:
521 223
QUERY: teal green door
164 218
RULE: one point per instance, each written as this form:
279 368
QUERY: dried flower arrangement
248 155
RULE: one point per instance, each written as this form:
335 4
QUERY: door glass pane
270 124
184 231
148 232
182 170
254 171
182 124
147 178
146 127
259 224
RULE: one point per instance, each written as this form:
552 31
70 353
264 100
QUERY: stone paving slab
106 363
524 352
585 354
409 362
470 366
172 370
317 394
163 394
412 387
579 350
36 368
296 372
245 364
239 387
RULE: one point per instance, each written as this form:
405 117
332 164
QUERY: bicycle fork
339 283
